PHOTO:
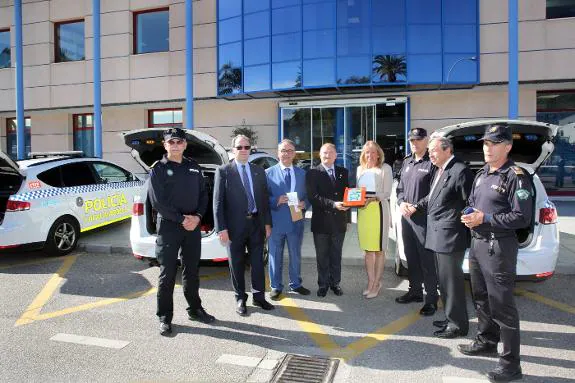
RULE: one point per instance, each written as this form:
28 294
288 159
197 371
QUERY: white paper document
293 201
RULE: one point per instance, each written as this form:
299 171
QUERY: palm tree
389 66
230 79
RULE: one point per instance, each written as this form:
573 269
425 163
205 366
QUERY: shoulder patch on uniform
522 194
518 171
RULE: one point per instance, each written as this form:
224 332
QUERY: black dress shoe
441 323
501 374
241 308
478 348
165 329
322 292
275 295
337 290
428 309
301 290
449 333
201 315
409 297
263 304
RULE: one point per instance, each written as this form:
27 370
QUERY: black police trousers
421 266
493 269
171 237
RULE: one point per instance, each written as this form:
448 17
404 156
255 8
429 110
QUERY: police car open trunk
147 148
532 145
10 181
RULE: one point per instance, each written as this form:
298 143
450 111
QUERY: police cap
417 134
497 133
174 133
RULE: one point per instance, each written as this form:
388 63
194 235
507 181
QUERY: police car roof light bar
69 153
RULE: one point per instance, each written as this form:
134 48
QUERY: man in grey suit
446 236
243 220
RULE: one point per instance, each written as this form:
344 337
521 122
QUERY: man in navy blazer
242 219
285 178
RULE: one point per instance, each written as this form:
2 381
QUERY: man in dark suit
325 186
446 236
243 219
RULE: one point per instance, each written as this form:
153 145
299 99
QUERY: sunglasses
245 147
175 142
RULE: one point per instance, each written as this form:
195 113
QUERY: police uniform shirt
178 189
505 196
415 181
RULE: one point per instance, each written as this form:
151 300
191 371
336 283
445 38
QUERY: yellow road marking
546 301
41 299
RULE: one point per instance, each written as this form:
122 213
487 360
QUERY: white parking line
239 360
90 341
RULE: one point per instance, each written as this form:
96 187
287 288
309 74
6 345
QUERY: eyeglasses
245 147
175 142
287 151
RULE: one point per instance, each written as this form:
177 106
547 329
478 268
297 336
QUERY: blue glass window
459 68
424 69
5 61
319 43
256 78
353 70
284 3
353 41
83 127
152 31
257 51
70 41
460 11
389 68
229 8
319 16
257 25
353 13
230 30
423 11
386 12
165 118
286 75
389 39
285 20
286 47
11 138
424 39
319 72
230 70
459 38
255 5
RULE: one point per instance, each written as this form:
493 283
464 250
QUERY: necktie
287 178
248 190
436 181
331 175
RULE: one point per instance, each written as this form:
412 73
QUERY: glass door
360 128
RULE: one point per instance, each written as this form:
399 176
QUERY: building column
97 80
189 65
20 123
513 92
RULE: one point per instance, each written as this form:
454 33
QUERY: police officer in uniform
177 191
417 173
502 199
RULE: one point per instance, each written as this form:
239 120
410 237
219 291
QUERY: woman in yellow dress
373 219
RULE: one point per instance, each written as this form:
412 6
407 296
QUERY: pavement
116 240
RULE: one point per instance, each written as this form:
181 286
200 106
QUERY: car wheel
62 237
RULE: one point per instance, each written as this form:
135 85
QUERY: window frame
129 176
57 25
10 39
76 128
135 15
151 125
26 132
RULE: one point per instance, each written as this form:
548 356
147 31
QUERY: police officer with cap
502 202
417 172
178 192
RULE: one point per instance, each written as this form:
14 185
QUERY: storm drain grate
305 369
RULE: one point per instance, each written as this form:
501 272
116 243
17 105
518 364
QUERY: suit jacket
231 203
322 195
281 216
445 232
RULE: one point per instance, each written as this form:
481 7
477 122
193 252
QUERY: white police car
47 201
260 158
532 145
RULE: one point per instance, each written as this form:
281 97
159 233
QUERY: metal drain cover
305 369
